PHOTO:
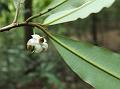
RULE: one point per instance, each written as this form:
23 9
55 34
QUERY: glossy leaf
97 66
82 11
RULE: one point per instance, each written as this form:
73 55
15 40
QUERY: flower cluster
37 44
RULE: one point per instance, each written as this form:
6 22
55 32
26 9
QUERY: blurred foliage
20 70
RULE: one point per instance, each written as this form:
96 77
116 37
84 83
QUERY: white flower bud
37 44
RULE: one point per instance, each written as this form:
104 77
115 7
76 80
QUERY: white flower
37 44
44 46
35 36
38 48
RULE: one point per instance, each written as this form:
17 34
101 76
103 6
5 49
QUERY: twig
17 12
38 25
40 14
9 27
13 25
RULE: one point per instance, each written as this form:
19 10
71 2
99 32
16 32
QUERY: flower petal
38 48
35 36
44 46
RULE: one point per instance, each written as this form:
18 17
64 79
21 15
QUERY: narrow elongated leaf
97 66
88 7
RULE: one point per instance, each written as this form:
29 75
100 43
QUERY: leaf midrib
87 3
90 62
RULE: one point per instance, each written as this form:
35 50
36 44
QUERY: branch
9 27
37 25
17 12
15 25
40 14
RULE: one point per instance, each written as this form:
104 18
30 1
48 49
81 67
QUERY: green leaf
97 66
68 4
82 11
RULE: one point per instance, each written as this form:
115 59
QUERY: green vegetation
98 66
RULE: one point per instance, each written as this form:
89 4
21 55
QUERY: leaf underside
85 8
